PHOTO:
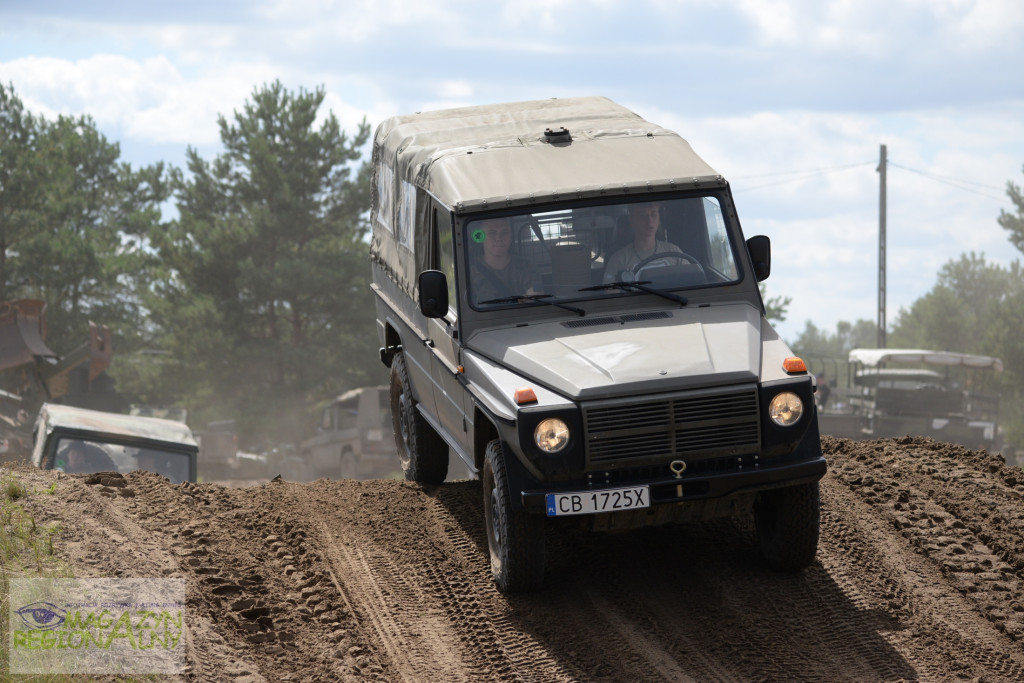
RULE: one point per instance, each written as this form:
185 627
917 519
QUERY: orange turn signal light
793 365
525 395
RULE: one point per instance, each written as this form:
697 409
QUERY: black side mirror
760 249
433 294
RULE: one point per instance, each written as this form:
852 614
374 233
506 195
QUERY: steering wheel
681 255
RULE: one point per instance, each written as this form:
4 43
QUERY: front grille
699 424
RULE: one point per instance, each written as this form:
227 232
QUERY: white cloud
456 90
886 27
552 15
982 25
146 99
355 20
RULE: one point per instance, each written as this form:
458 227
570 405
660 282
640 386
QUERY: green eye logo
479 236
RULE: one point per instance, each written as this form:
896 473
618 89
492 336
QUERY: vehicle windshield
77 456
560 255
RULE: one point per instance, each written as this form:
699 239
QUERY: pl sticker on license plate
591 502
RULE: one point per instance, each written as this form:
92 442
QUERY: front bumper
670 490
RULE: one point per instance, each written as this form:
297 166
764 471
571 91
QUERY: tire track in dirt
717 596
111 537
890 582
412 639
969 524
424 610
248 585
920 576
661 636
933 548
469 596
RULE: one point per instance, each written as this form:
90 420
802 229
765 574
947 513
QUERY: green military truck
946 395
568 305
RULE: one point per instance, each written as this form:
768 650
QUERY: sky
791 100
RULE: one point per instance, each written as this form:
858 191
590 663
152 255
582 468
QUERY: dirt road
920 576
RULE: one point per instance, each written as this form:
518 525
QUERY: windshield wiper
627 286
542 298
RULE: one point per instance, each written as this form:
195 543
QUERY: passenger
645 221
85 458
496 272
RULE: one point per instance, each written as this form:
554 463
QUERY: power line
958 183
809 170
801 175
808 174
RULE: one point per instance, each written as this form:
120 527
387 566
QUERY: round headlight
785 409
551 435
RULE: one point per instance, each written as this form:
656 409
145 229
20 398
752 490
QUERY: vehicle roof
485 157
874 357
355 393
115 425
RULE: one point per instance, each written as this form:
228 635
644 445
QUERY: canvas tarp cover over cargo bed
496 156
874 357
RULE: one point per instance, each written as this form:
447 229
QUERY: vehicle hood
638 352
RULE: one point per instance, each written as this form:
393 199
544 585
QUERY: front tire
423 452
787 522
515 539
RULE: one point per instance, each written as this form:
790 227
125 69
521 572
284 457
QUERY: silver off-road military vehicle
567 304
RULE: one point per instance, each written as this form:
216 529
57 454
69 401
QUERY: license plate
591 502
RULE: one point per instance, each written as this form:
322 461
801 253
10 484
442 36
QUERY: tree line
253 303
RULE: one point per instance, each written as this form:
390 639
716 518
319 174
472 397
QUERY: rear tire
787 524
423 452
515 539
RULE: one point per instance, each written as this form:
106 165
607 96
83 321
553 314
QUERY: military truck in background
353 439
945 395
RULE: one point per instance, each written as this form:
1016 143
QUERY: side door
443 335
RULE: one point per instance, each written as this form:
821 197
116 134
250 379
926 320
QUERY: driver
497 272
85 458
645 220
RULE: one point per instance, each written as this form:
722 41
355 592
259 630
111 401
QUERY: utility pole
881 247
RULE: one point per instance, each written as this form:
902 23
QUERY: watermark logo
42 615
120 626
